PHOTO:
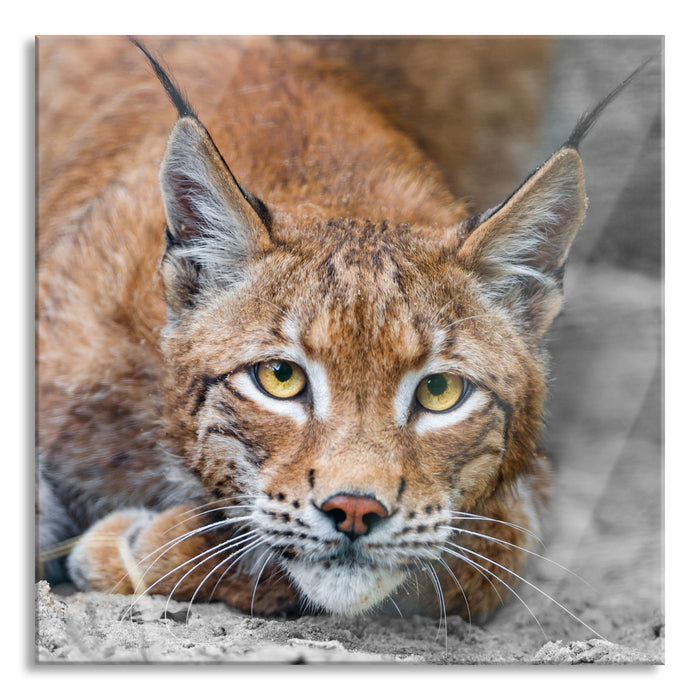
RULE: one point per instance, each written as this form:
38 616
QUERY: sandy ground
604 434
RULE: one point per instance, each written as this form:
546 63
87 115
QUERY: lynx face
355 384
353 396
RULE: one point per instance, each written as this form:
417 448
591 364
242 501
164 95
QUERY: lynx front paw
104 559
140 551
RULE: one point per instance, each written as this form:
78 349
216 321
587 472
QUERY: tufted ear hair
214 227
518 249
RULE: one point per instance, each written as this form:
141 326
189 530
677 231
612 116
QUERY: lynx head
352 384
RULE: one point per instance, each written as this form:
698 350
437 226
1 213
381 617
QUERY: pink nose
354 515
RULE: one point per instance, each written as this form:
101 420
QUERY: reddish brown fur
365 236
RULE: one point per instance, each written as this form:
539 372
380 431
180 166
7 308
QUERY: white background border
25 20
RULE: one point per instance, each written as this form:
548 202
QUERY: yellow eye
440 392
280 378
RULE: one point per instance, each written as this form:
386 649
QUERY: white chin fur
344 590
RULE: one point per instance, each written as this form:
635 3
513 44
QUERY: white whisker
459 585
285 313
178 540
398 609
248 545
234 504
532 585
515 546
164 549
228 545
211 551
440 310
441 599
486 573
226 521
257 580
457 515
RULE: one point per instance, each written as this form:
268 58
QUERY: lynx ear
214 227
519 248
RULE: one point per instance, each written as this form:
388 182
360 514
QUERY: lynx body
327 391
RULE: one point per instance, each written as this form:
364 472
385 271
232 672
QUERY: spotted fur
352 260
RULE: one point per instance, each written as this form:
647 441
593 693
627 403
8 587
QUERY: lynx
327 393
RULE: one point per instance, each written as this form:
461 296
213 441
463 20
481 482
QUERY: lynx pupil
283 371
437 384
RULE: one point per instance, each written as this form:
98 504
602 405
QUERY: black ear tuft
184 108
589 118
